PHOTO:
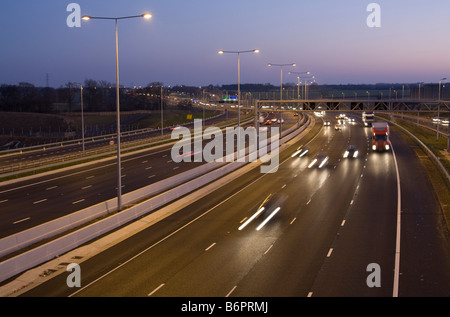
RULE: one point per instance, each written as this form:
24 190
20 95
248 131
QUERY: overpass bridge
395 105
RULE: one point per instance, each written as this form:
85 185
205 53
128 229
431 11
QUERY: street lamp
239 80
439 99
119 176
82 118
440 80
281 85
298 78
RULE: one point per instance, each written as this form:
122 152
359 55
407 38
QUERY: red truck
380 136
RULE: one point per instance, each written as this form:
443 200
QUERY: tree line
97 96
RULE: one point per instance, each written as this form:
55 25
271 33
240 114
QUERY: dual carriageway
318 232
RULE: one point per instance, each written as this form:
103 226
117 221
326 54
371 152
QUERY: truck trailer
380 136
368 117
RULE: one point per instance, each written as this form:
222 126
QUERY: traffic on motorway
313 228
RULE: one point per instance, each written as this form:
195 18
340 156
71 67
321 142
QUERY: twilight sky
329 38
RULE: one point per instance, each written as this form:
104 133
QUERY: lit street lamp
281 86
239 78
119 176
440 80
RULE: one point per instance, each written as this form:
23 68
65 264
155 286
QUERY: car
351 152
435 120
338 127
320 160
326 123
301 151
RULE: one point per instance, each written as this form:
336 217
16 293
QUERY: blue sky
179 45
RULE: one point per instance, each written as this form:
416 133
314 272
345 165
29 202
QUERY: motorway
320 231
28 203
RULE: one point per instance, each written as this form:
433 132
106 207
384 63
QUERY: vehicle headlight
345 154
312 163
374 147
355 154
323 162
386 146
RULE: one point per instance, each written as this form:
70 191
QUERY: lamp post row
148 16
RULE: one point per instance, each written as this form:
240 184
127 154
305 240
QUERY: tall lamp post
281 86
440 80
439 99
298 78
239 78
119 176
82 118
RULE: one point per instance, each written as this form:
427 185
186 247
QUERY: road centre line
210 246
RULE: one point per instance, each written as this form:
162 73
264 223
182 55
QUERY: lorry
368 117
380 136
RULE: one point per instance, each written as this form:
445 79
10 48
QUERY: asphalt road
29 203
332 223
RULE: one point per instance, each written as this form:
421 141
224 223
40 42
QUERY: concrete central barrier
199 178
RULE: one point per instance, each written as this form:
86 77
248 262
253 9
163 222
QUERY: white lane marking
78 201
86 187
308 202
50 188
310 294
89 177
329 252
3 201
156 289
397 239
39 201
229 293
210 246
293 221
147 168
24 219
343 223
268 249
